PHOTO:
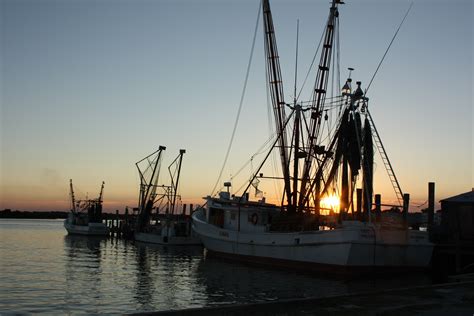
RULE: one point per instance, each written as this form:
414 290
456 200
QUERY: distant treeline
8 213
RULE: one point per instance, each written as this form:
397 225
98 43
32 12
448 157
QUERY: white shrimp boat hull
91 229
314 164
167 240
351 246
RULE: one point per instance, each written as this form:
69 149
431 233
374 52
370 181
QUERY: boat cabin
239 214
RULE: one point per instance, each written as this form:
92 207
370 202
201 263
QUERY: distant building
457 215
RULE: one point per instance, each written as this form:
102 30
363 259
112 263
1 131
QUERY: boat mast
276 91
296 129
101 193
174 185
96 207
148 186
73 200
317 106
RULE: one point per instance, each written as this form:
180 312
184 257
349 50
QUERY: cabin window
216 217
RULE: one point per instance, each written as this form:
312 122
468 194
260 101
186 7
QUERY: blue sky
90 87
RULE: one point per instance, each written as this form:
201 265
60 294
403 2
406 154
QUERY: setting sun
329 203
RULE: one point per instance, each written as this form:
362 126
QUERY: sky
88 88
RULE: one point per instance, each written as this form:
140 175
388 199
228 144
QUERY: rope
312 62
393 38
240 104
420 205
259 151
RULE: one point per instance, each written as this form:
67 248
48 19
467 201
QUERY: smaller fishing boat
174 230
85 217
160 219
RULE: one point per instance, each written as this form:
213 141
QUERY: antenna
389 45
350 71
296 59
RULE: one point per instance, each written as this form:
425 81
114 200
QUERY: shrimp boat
85 217
158 220
326 149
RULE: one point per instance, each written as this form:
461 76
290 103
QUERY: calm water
42 270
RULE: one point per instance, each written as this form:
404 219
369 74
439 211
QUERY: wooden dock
123 225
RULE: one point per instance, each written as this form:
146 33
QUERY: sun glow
329 203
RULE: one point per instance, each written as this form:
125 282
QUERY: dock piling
406 202
359 204
378 207
431 205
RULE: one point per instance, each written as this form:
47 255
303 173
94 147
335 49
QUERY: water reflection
144 285
227 282
83 270
158 277
44 271
165 276
76 242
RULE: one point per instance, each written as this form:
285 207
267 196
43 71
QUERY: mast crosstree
317 161
276 91
317 106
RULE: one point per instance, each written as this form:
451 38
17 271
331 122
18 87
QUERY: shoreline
7 213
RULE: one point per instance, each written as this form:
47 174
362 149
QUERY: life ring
254 218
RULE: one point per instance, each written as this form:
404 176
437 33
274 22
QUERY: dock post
184 209
359 203
112 226
117 223
126 215
431 206
406 203
378 207
190 209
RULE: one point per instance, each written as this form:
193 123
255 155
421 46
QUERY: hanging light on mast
346 89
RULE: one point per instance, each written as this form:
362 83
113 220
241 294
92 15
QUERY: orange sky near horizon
89 88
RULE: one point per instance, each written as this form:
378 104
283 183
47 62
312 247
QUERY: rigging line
328 98
338 49
280 134
388 48
259 151
271 132
312 62
296 57
332 105
330 134
420 205
335 55
241 101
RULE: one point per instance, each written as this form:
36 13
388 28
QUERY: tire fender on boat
254 218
